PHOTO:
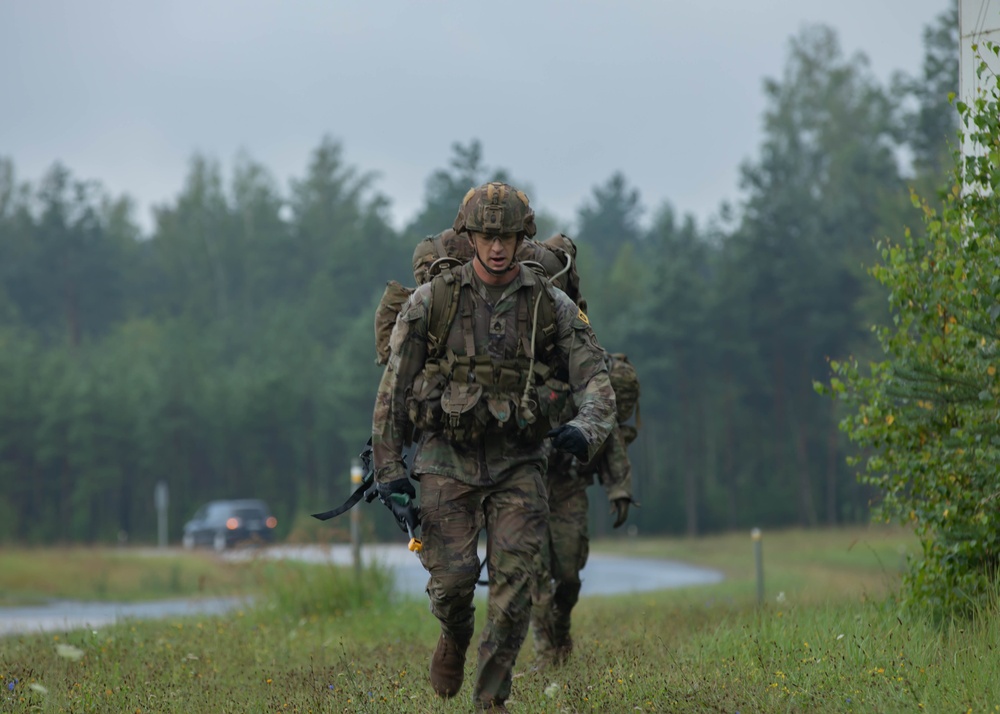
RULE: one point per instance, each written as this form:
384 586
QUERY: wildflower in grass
781 597
11 684
40 688
69 652
552 689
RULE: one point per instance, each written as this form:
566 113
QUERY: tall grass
291 590
321 641
34 575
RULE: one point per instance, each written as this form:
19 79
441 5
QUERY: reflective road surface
604 575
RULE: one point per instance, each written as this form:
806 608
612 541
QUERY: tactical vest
467 395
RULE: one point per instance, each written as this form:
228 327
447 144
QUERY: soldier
481 392
568 547
565 553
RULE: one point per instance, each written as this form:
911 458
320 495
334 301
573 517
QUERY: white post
161 499
758 559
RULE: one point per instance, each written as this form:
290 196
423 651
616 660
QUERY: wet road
604 575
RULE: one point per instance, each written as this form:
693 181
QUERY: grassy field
34 575
828 639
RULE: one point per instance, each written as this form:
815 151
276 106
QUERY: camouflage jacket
610 465
495 333
613 468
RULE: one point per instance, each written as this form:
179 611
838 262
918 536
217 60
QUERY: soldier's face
496 251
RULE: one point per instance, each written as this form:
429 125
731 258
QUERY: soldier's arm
588 374
613 467
408 351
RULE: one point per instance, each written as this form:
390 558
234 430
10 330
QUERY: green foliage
610 219
446 188
229 353
927 415
933 122
288 591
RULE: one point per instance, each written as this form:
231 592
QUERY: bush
928 416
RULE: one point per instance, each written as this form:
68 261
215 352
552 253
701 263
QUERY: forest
229 350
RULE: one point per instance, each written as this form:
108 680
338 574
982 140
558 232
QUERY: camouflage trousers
452 515
557 587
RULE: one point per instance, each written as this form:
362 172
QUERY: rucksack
551 254
625 382
393 299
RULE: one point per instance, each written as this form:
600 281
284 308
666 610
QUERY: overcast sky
563 93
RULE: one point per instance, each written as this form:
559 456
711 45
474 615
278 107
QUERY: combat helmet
495 208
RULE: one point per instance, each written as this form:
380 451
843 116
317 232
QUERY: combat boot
448 665
563 650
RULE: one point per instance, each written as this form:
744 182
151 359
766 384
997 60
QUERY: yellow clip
415 545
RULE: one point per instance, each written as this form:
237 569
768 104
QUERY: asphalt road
604 575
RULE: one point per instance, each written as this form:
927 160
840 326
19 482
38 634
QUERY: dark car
222 524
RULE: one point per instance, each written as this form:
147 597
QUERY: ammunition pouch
423 403
467 398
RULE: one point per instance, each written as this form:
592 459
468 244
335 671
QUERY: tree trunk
807 513
831 466
732 481
807 509
690 479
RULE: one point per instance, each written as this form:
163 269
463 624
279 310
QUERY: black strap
367 481
358 494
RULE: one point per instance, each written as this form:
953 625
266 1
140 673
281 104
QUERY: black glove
619 509
399 497
570 439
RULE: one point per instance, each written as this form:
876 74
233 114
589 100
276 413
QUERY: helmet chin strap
488 269
491 271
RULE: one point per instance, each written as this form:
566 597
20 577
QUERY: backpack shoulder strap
547 319
545 326
445 287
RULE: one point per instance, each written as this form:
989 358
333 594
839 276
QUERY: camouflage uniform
565 555
565 552
495 482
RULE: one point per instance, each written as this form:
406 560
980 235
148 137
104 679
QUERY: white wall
979 20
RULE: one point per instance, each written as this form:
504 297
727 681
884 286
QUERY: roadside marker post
758 557
356 477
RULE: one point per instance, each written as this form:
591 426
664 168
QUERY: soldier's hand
619 509
399 496
570 439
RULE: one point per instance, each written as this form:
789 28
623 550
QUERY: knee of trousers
452 587
567 593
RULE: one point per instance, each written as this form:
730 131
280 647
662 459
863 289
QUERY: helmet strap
491 271
488 269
